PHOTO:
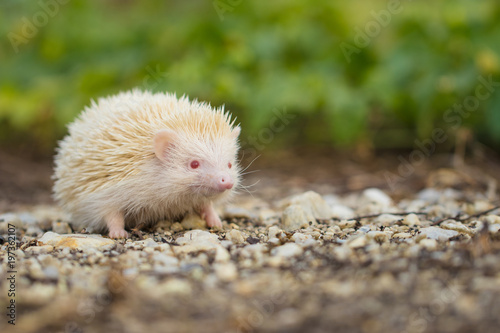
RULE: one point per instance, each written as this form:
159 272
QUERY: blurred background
351 74
350 93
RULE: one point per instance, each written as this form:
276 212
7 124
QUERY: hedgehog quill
137 158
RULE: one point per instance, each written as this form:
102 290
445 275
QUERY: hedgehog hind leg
116 225
209 214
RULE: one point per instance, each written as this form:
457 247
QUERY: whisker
250 163
249 172
246 187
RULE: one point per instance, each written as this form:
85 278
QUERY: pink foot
209 214
118 233
116 225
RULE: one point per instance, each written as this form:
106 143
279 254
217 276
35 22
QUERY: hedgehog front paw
118 233
116 225
213 221
209 214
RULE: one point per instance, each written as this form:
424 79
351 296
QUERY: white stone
493 219
194 236
344 224
402 235
235 236
61 228
175 286
378 236
342 212
430 244
11 218
377 196
273 232
494 228
457 226
312 203
357 242
193 221
196 240
411 220
303 239
226 271
295 217
274 241
222 255
365 229
149 242
40 249
77 241
287 250
438 233
387 219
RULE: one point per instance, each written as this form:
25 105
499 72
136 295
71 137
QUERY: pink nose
225 182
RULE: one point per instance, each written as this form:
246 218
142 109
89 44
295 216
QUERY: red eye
229 165
194 164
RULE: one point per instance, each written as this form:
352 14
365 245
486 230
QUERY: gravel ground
361 261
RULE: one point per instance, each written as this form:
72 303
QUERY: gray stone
438 233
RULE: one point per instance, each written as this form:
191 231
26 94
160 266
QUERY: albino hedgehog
138 157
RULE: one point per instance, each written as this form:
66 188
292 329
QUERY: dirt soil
270 269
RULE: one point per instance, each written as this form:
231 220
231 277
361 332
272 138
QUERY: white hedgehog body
136 158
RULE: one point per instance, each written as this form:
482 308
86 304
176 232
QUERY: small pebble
288 250
193 221
377 196
235 236
295 217
61 228
226 272
357 242
347 224
438 233
411 220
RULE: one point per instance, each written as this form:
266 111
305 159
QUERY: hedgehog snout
221 181
224 182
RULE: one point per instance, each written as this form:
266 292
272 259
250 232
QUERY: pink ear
236 132
162 140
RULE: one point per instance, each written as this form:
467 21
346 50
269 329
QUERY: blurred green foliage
403 70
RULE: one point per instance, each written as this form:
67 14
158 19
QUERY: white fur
107 163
